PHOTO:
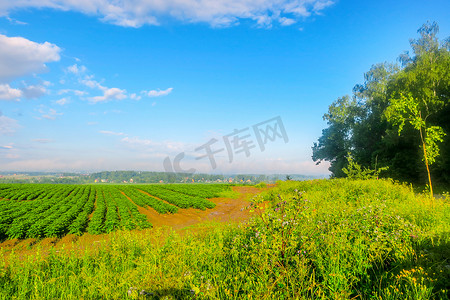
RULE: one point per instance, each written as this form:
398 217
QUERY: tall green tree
406 109
356 125
335 142
361 125
422 92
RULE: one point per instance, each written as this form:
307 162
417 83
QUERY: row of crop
130 217
16 216
78 226
175 198
96 222
198 190
112 220
144 200
34 222
40 223
115 211
125 205
68 213
24 191
34 192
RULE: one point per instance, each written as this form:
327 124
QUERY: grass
229 194
322 239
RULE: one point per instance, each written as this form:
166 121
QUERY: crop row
144 200
130 217
25 191
113 211
175 198
45 210
199 190
17 216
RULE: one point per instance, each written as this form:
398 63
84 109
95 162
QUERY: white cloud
158 93
135 13
150 145
20 57
107 132
33 91
286 21
138 141
62 101
7 125
135 97
75 92
14 21
6 147
79 93
320 5
76 70
9 93
51 114
91 83
109 94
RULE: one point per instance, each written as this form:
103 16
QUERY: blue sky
97 85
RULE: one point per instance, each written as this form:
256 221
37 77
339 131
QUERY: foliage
405 110
416 93
355 171
261 185
327 239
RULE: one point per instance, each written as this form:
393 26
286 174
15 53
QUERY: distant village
142 177
185 180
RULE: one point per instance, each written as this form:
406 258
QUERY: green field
322 239
45 210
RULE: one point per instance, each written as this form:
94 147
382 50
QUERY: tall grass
323 239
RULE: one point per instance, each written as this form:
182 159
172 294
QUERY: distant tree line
167 177
398 118
142 177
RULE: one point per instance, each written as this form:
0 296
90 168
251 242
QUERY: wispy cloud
14 21
159 93
42 141
136 13
109 94
75 92
158 146
7 125
62 101
107 132
89 81
50 114
75 69
287 21
33 91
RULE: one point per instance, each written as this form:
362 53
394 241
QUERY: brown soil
227 210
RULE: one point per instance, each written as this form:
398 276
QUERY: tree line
398 119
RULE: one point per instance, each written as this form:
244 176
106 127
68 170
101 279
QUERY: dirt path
226 210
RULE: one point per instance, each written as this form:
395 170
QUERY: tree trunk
426 162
